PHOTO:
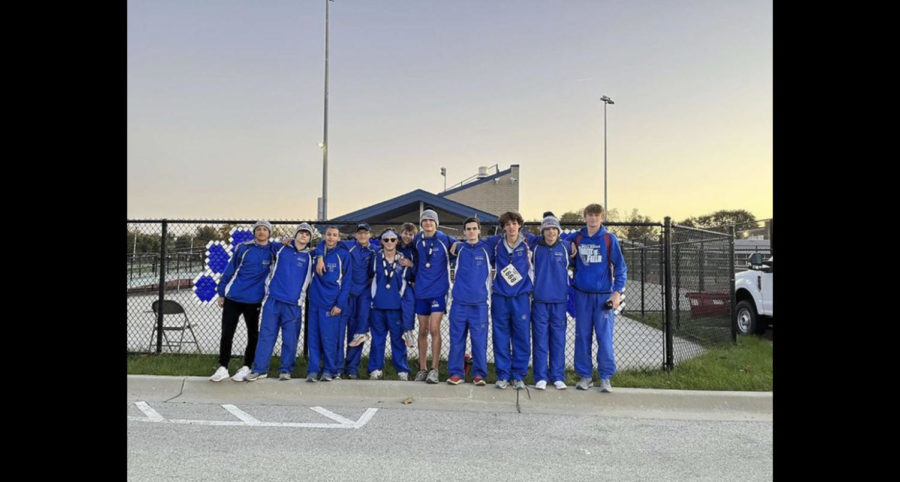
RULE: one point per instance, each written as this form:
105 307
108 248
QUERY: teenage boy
432 274
407 250
241 290
469 312
389 284
283 304
548 311
327 299
600 274
511 300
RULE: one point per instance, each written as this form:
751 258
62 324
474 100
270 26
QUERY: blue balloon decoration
205 288
217 256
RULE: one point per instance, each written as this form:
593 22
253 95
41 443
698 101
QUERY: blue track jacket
290 275
384 298
472 285
551 270
332 288
432 281
244 279
520 257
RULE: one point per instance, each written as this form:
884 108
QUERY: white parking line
248 420
151 414
246 417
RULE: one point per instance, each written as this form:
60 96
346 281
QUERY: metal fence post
731 284
643 273
162 288
677 284
667 247
702 253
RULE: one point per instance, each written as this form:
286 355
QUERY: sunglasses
389 240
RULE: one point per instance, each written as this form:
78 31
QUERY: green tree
635 233
720 220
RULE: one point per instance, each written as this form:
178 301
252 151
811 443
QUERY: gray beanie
303 227
429 214
550 221
264 224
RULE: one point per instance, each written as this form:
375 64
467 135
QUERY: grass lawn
745 366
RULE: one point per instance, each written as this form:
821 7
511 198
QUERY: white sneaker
359 339
541 385
403 376
605 385
560 385
241 374
376 375
221 374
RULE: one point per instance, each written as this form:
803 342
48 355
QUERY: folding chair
170 307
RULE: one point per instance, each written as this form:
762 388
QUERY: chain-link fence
702 288
186 267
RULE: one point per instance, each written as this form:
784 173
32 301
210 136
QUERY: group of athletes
363 289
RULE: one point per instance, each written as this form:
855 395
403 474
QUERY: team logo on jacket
590 253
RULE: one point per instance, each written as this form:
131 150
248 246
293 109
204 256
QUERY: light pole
444 173
606 100
324 143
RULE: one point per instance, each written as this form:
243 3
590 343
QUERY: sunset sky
225 104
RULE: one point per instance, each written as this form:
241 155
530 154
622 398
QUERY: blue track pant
592 317
408 309
511 317
384 322
548 330
474 320
353 321
323 340
278 314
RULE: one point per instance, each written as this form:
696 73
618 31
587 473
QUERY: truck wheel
747 320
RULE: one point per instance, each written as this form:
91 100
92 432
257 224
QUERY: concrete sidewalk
623 402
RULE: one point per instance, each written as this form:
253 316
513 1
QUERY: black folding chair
170 307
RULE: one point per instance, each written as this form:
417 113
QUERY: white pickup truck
753 294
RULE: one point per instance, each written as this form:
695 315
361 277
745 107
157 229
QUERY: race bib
511 275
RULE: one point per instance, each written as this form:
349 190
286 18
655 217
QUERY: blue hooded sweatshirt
592 273
472 285
244 279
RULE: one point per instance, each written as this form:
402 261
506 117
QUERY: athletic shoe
584 383
478 381
540 385
219 375
252 376
501 384
241 374
455 380
432 376
560 385
605 385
